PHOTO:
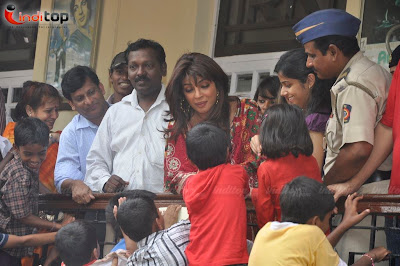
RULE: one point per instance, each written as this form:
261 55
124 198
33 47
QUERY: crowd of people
316 131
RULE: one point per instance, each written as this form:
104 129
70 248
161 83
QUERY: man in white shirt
128 150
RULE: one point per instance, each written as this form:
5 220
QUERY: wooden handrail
377 203
60 202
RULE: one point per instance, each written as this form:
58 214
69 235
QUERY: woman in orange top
42 101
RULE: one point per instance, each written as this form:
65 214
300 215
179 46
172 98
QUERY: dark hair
136 217
31 130
196 65
270 84
292 64
34 94
304 198
144 44
207 145
75 242
347 44
75 78
71 8
284 131
130 194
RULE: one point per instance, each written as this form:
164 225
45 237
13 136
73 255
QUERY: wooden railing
59 202
378 204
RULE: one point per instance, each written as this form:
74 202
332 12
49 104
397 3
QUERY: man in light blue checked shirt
85 93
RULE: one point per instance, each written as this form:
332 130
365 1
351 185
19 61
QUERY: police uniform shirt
358 101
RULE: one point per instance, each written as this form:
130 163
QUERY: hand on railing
81 193
342 189
351 216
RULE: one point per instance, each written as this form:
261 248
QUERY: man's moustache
141 79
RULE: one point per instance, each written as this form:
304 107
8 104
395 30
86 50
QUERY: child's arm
374 255
52 256
35 221
262 199
33 240
130 245
350 218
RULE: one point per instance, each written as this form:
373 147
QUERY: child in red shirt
286 143
215 200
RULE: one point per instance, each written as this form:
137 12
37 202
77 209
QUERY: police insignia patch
346 113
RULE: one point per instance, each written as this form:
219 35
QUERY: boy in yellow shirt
300 239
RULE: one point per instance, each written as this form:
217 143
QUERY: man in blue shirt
84 92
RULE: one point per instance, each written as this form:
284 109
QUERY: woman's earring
186 111
183 109
217 98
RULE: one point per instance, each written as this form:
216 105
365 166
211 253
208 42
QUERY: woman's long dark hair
33 94
292 64
196 65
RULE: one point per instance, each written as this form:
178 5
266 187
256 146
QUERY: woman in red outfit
286 143
198 92
42 101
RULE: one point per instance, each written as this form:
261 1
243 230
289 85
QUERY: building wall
178 25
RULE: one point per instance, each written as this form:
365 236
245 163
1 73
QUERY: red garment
244 126
391 118
217 211
46 171
273 175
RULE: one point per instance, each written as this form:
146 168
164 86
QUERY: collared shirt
130 144
5 146
19 190
354 112
166 247
110 99
75 142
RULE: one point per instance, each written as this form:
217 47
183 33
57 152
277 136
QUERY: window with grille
18 43
251 35
261 26
11 87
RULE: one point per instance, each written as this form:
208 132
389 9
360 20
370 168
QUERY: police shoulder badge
346 113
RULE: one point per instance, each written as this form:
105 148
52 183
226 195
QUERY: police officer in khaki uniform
358 95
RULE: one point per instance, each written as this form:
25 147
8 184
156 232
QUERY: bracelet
368 256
